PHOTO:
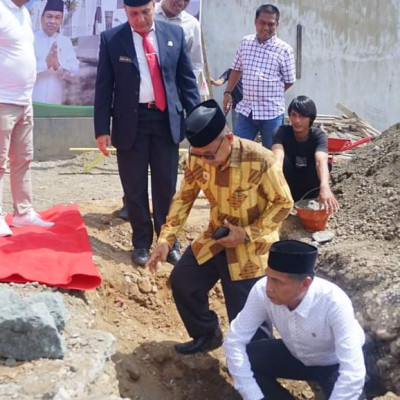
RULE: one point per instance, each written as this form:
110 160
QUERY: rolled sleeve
242 329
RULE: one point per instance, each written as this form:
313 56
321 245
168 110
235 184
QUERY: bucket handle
304 195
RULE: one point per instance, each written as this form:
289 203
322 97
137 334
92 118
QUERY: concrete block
55 305
28 330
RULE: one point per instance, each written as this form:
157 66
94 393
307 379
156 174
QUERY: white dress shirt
146 92
49 86
17 57
192 31
320 331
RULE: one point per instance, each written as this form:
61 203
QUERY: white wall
350 50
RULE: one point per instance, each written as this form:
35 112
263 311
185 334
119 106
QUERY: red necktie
155 72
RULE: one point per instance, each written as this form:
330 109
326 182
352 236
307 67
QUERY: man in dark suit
147 114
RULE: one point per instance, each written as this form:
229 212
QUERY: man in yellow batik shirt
249 196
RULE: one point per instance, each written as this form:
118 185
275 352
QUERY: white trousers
16 144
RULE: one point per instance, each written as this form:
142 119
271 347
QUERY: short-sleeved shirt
301 154
266 68
17 57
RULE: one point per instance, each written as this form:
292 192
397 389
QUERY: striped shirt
249 191
266 68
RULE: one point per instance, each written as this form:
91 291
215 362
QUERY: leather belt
150 105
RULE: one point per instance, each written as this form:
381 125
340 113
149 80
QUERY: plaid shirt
249 191
266 68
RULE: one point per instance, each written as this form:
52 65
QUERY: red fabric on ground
57 256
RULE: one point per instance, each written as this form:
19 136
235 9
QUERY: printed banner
67 35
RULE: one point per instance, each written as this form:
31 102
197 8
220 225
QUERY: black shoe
140 256
123 213
201 344
173 256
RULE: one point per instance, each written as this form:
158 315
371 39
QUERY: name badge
125 59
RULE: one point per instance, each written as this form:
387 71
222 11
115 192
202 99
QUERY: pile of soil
368 189
364 257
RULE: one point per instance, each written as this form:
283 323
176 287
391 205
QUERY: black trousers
191 283
270 359
153 146
301 180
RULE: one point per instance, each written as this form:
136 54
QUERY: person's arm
234 78
288 69
288 85
277 144
240 333
195 51
325 197
279 152
276 190
349 339
104 90
186 80
180 207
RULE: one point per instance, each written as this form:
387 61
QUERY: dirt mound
368 189
364 257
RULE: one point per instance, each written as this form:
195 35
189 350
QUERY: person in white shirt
55 56
17 77
320 341
173 11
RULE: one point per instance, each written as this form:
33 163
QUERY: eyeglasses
209 157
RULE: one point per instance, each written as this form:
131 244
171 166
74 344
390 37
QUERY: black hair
301 277
304 106
269 9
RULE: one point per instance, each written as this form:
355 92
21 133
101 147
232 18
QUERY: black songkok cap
136 3
54 5
292 257
204 123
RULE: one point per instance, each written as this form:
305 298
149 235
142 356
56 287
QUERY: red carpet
57 256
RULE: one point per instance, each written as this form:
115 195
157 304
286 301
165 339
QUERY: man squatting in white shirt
320 341
55 56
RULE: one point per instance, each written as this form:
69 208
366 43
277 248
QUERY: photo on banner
67 37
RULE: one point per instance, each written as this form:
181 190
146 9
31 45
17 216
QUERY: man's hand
52 57
160 253
237 235
227 102
104 141
327 198
217 82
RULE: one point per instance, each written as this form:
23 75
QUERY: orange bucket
312 220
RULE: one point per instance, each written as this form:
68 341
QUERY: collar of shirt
303 309
234 157
152 29
268 42
159 10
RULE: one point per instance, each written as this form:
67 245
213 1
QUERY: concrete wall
350 50
52 137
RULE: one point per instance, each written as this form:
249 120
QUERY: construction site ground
137 307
